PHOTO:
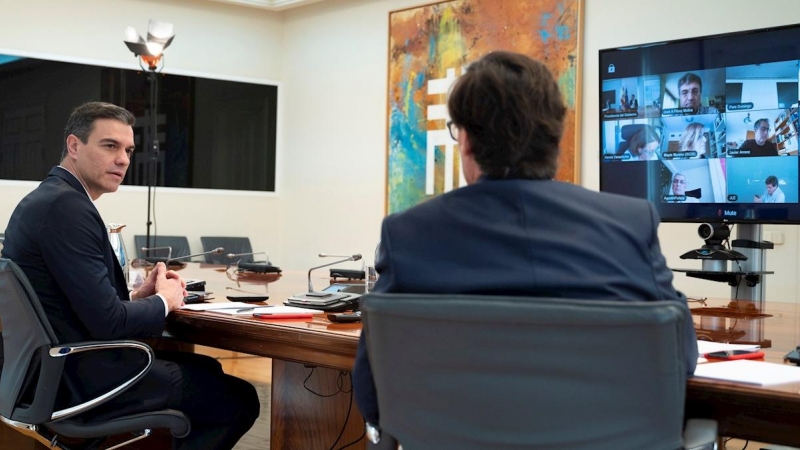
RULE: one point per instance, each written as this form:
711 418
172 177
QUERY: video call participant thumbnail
760 146
678 190
772 194
690 91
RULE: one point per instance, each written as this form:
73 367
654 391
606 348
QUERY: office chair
232 245
163 247
477 372
33 367
628 131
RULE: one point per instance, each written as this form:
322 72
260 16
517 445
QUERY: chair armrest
69 349
700 434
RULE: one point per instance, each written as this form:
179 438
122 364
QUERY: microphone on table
155 259
236 255
216 251
257 267
355 257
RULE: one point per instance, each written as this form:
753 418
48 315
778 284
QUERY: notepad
750 372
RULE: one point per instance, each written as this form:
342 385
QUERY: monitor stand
748 241
739 321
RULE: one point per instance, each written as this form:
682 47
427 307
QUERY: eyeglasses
678 181
453 128
763 128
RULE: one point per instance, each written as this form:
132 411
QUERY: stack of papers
246 309
706 347
750 372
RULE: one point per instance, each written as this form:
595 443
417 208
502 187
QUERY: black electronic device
343 302
195 285
793 356
248 298
313 299
345 317
714 236
259 267
343 287
194 297
698 126
347 273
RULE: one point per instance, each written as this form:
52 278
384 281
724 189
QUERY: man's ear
464 143
72 145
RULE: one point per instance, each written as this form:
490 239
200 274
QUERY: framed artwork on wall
429 47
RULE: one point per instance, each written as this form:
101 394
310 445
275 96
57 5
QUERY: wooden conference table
302 420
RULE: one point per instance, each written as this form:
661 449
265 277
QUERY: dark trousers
220 407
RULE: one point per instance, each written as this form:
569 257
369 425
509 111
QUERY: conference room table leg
311 406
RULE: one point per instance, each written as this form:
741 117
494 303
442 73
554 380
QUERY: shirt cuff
166 307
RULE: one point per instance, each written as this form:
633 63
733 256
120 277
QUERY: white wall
331 59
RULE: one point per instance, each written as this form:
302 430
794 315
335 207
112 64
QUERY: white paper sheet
246 309
750 372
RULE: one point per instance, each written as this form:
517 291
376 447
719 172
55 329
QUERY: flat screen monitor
705 128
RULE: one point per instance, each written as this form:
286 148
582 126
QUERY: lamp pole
152 165
150 51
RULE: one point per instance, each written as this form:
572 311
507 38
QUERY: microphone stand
216 251
355 257
234 255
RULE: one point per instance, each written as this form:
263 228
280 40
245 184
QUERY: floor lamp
150 52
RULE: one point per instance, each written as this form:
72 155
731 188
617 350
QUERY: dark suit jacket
58 238
527 238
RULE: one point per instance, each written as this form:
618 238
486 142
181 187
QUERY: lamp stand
152 165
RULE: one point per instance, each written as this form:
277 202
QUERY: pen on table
245 309
283 316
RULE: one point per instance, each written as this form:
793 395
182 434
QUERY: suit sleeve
72 243
663 279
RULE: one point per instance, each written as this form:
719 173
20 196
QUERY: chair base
29 430
42 436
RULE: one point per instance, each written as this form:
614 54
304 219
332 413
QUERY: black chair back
478 372
27 337
33 368
232 245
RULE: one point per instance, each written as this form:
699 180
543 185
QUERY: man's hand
170 285
148 288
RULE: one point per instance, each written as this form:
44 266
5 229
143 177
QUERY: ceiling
271 5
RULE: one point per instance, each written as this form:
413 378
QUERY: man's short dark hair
513 113
765 120
81 121
690 78
771 180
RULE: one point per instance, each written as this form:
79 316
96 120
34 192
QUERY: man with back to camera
760 146
690 90
773 194
514 230
57 237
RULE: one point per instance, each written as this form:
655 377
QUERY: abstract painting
430 45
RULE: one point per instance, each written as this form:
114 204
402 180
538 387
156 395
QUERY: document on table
247 309
706 347
750 372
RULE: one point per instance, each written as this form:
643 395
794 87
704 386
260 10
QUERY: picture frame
430 45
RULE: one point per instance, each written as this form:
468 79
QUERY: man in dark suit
58 238
514 230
